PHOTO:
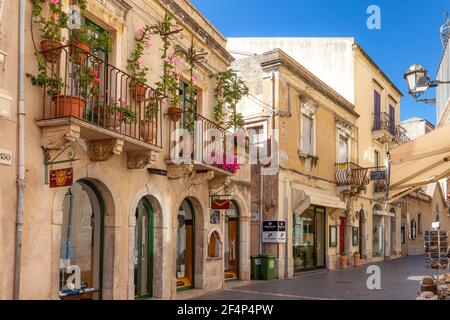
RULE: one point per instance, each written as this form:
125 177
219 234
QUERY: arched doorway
378 231
144 250
185 247
231 243
81 255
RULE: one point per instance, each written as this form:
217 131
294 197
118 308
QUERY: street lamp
419 82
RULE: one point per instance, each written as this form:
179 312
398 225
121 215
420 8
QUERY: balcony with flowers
84 96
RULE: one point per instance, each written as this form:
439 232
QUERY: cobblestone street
399 281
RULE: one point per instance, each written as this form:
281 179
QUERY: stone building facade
309 128
377 101
133 224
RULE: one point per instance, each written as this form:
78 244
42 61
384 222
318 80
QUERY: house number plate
5 157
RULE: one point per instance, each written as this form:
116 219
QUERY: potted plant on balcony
356 259
169 85
230 89
148 126
136 63
117 113
343 259
50 28
86 38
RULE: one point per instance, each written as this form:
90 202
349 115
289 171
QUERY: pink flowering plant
136 63
56 20
232 166
169 85
121 110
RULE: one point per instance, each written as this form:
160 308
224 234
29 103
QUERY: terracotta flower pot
148 130
67 106
357 260
52 50
138 92
175 113
79 51
343 262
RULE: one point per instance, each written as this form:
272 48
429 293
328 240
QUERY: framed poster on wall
333 236
355 236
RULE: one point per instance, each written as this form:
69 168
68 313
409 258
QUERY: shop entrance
309 239
82 243
231 260
185 251
378 236
144 250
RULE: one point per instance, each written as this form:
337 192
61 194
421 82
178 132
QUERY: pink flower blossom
141 62
148 45
54 1
194 77
140 32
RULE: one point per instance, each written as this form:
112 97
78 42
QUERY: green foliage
122 111
92 36
230 89
135 62
53 83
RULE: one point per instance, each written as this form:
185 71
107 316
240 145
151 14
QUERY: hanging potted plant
50 28
136 63
230 89
170 82
85 39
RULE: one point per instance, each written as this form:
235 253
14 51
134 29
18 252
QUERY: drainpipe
21 149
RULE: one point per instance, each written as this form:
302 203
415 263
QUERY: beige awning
303 197
420 162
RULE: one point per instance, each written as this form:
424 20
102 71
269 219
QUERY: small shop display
436 257
436 249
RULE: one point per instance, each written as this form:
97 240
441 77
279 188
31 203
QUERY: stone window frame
308 108
344 129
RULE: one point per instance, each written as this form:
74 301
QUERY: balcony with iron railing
384 130
103 103
204 145
351 177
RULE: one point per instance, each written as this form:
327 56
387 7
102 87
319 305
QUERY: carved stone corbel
57 138
103 150
200 178
175 172
140 159
219 181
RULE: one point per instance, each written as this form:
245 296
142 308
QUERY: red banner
61 178
220 204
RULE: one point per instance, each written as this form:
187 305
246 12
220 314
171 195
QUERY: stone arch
109 201
154 197
200 252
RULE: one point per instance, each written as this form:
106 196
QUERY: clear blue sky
409 30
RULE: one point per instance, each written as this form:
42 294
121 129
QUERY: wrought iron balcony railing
401 135
351 175
80 85
202 142
382 121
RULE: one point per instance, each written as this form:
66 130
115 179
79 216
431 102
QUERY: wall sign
61 178
220 204
5 157
378 175
274 232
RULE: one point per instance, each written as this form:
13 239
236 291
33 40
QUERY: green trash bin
256 267
267 267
